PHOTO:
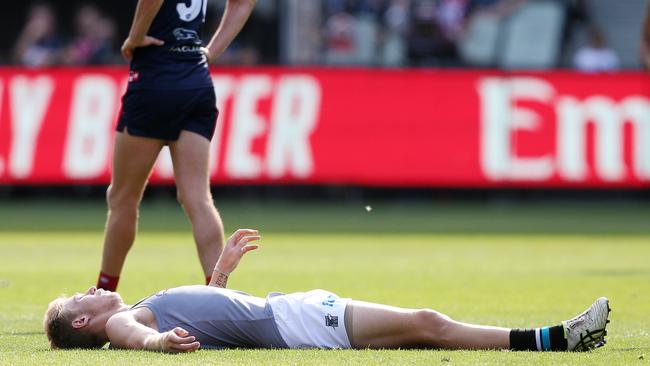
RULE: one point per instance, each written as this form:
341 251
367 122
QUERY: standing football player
170 100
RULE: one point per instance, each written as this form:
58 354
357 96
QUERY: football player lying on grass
184 319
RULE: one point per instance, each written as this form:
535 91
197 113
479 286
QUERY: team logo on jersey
183 34
331 321
329 301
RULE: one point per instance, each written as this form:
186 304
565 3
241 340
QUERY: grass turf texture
508 265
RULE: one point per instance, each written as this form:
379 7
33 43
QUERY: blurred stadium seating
458 33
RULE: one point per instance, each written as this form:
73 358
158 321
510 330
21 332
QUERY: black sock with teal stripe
538 339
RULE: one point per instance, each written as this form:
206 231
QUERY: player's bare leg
190 155
381 326
133 159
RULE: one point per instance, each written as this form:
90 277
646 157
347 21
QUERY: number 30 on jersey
189 13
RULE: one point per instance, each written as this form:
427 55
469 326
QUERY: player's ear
80 321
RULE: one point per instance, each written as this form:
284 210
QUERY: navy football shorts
163 114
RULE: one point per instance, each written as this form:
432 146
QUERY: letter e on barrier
246 125
500 117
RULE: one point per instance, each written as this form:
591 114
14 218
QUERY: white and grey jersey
218 318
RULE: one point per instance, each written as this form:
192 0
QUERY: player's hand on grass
130 45
236 246
178 340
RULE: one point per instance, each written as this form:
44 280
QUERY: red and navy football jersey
179 63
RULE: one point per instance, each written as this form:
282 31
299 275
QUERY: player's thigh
191 159
133 160
383 326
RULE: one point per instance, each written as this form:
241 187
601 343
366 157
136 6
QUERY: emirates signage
401 128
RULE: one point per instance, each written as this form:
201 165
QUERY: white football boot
588 330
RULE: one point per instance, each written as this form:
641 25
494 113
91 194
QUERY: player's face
94 301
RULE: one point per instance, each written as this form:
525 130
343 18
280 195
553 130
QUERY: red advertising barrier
402 128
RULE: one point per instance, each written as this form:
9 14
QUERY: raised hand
236 246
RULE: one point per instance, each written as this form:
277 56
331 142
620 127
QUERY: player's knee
436 328
121 200
193 202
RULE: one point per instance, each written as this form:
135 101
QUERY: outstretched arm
125 332
232 21
145 13
236 246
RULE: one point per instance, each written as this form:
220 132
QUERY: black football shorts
163 114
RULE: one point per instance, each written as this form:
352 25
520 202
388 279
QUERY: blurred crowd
416 33
95 37
432 32
41 43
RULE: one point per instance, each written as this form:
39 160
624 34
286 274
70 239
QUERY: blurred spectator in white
38 43
596 56
94 41
340 34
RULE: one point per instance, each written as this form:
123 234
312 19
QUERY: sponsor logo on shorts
329 301
331 321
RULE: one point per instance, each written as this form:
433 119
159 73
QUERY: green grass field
506 264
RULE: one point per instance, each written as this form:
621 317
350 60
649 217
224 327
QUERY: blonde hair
60 332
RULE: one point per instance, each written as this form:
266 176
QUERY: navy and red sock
107 282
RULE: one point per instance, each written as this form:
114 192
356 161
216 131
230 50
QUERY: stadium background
477 135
